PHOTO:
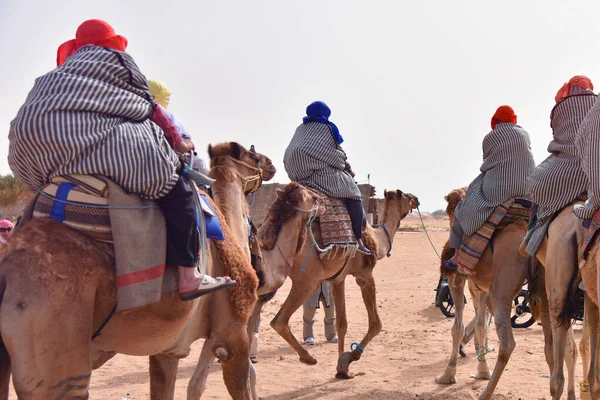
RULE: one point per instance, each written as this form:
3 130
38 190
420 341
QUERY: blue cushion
213 225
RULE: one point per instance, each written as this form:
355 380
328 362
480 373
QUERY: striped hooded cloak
90 116
559 179
314 159
588 143
507 162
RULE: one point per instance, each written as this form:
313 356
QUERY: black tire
445 302
521 315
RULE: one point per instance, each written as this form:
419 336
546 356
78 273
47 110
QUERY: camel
498 278
66 270
289 250
559 254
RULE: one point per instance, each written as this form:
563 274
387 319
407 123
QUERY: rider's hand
185 146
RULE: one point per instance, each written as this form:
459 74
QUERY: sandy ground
400 363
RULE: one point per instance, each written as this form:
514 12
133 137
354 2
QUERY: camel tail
570 308
533 287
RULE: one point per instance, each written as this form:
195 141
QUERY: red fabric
503 114
141 276
95 32
578 80
161 119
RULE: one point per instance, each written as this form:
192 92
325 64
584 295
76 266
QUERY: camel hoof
308 361
344 375
482 375
445 380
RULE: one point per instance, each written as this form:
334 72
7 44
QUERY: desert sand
400 363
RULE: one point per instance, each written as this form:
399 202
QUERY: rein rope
389 237
427 233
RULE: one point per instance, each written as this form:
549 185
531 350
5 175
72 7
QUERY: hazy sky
412 84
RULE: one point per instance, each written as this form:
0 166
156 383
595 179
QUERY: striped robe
507 162
314 159
90 116
559 179
588 147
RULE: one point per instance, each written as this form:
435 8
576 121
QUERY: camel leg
479 302
4 372
299 292
545 319
584 348
456 283
367 288
197 384
590 325
236 371
501 305
571 361
163 374
341 319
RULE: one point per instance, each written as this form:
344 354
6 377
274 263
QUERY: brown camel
453 198
497 279
281 238
66 270
236 172
559 254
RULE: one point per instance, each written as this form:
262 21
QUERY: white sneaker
333 339
309 341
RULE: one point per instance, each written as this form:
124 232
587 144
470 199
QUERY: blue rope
357 346
312 246
74 203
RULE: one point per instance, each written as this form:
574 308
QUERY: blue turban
318 111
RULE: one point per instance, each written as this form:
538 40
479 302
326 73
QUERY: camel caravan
150 248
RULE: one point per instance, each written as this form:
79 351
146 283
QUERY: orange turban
504 114
92 31
578 80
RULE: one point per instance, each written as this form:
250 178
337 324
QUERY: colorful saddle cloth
472 247
336 228
136 228
592 227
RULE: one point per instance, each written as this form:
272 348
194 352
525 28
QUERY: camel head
397 201
293 200
266 165
453 198
245 163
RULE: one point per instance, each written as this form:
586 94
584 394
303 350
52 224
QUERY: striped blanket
336 226
473 246
507 162
590 234
134 226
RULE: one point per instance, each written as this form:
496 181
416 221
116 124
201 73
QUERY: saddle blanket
472 247
592 227
136 228
336 226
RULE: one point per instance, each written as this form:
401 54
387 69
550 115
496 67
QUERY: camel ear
211 153
446 198
399 192
279 193
236 150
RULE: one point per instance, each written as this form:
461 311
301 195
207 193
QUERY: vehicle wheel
521 313
445 302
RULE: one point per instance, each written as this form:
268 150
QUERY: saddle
336 228
592 227
472 247
99 208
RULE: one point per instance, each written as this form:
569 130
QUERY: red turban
504 114
578 80
95 32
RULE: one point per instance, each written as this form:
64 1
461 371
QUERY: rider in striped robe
559 179
507 162
92 115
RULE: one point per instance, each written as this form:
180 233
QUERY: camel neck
391 220
230 199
